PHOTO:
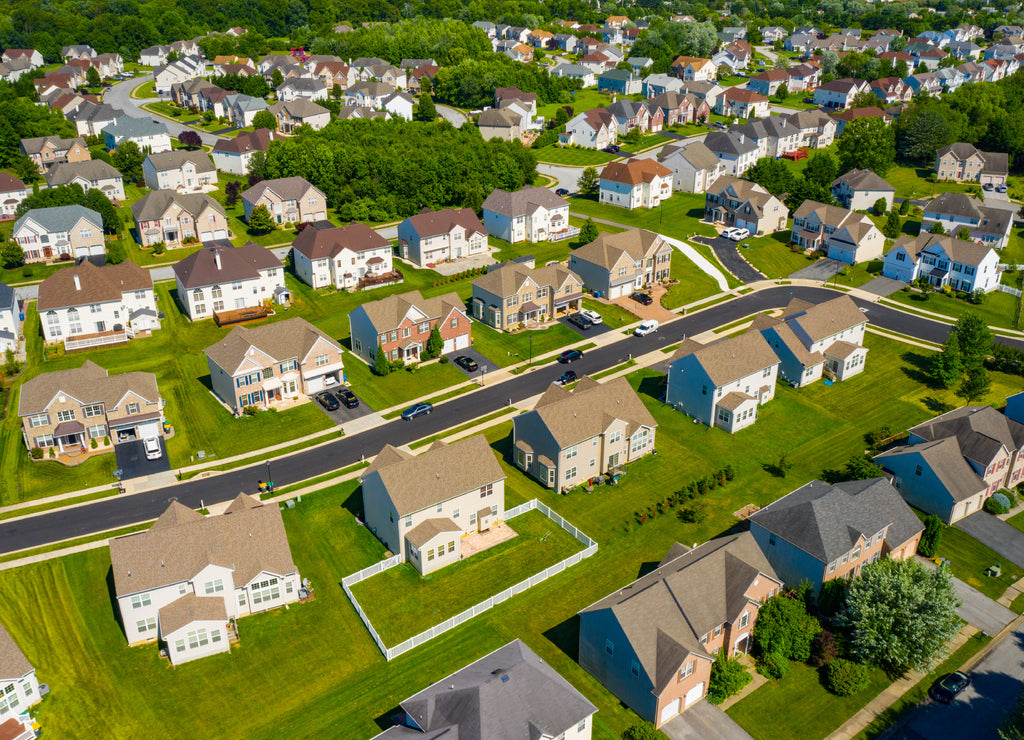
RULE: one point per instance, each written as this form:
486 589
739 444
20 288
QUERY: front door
289 388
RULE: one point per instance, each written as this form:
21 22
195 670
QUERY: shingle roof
825 319
958 250
286 188
254 141
695 152
422 533
91 169
282 340
763 322
127 127
498 118
191 608
88 383
298 109
176 158
59 218
317 243
522 202
13 663
509 277
154 204
200 269
634 171
35 145
387 313
97 284
729 142
946 460
731 358
865 179
433 223
606 250
980 430
955 204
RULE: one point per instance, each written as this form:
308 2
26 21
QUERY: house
746 205
10 319
741 103
350 257
767 83
731 34
68 408
215 100
585 75
817 129
951 79
177 219
842 234
592 129
513 293
12 192
803 77
33 57
19 688
180 170
802 42
659 83
811 340
301 88
619 81
855 114
737 152
775 136
418 76
335 73
943 260
929 82
90 174
652 643
290 200
422 506
218 279
566 42
263 366
299 112
47 151
635 183
185 580
618 264
533 214
499 123
628 115
89 306
838 94
892 90
596 62
639 65
148 134
822 532
186 68
401 325
186 94
82 51
965 50
509 693
771 34
694 166
14 70
694 69
46 234
963 162
860 189
723 383
958 211
447 235
540 38
359 112
706 91
504 95
242 109
400 105
679 108
735 56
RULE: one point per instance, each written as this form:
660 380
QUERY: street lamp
270 481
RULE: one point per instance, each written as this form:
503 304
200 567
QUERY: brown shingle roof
387 313
200 269
433 223
730 359
97 284
13 663
90 169
282 340
153 205
634 171
188 609
588 410
320 243
508 278
608 248
422 533
286 188
522 202
176 158
89 384
828 318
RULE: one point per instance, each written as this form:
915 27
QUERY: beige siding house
617 264
962 162
290 200
514 293
177 219
47 151
46 234
93 174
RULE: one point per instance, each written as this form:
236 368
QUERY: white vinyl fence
1008 289
590 547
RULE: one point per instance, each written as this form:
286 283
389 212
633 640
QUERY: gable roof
299 108
88 383
433 223
635 171
90 169
127 127
281 340
13 663
824 319
523 202
96 284
176 158
498 118
606 250
59 218
946 460
286 188
387 313
958 250
154 204
695 152
863 179
981 431
200 268
317 243
507 278
729 142
731 358
249 141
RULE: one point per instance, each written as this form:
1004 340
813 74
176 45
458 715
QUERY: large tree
975 385
821 169
867 143
975 339
924 132
771 174
947 366
265 119
589 181
425 109
128 158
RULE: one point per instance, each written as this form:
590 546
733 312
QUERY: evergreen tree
905 207
435 344
425 110
92 77
381 364
260 221
588 231
589 181
276 79
879 207
975 340
892 226
947 366
822 169
937 228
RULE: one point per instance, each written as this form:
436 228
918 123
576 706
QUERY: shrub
694 512
27 272
53 452
642 731
444 360
93 444
823 649
159 248
36 453
845 678
997 503
773 666
106 441
932 536
728 678
250 410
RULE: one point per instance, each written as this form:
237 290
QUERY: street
119 96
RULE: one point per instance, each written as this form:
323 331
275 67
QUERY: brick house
402 325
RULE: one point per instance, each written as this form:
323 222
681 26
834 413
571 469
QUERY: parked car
562 192
642 298
419 409
736 234
947 687
580 320
328 400
1001 188
718 125
569 376
152 447
467 363
570 355
594 316
348 398
648 326
988 186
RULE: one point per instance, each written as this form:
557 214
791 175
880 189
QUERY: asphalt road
728 254
118 512
119 96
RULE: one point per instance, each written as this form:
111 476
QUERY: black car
561 192
580 320
467 363
569 376
642 298
570 355
349 399
947 687
328 400
613 149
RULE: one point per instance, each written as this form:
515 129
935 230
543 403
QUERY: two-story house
635 183
860 189
242 109
422 506
694 166
819 532
653 642
401 325
694 69
817 128
19 688
66 409
744 204
90 119
592 129
90 174
840 233
50 233
723 383
266 365
775 136
180 169
186 68
177 219
149 135
533 214
89 306
962 162
959 211
46 151
838 94
218 279
737 151
618 264
944 260
739 102
350 257
679 107
572 436
305 88
768 82
185 580
515 293
291 200
892 90
10 319
12 193
299 112
234 155
447 235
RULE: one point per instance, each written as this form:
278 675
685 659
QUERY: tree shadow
919 369
936 406
566 637
774 469
503 447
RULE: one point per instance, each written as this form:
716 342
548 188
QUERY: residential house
723 383
186 94
767 83
180 170
451 234
694 166
46 234
65 409
855 114
838 94
566 42
242 109
12 192
817 129
299 112
737 152
694 69
267 365
639 65
619 81
90 174
653 642
860 189
570 437
963 162
771 34
508 693
635 183
422 506
504 95
679 108
803 77
842 234
185 580
149 135
596 62
177 219
930 59
301 88
775 136
592 129
966 50
585 75
734 56
46 151
19 688
629 115
14 70
929 82
88 306
359 112
706 91
10 319
958 211
802 42
417 77
501 124
540 38
33 57
215 100
186 68
514 293
741 103
822 532
290 200
892 90
660 83
401 326
944 260
731 34
533 214
400 105
746 205
950 78
350 257
335 73
218 279
618 264
81 51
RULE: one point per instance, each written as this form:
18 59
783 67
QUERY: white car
736 234
648 326
152 447
594 316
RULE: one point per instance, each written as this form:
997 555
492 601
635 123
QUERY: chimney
78 283
216 258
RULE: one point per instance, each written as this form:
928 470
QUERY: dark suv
570 355
642 298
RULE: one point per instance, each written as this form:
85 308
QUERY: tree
172 56
931 538
771 174
1012 727
784 628
923 133
97 201
905 206
782 92
92 77
232 191
25 169
867 143
116 253
728 677
937 228
265 119
963 233
642 731
860 467
381 364
893 225
127 158
425 110
260 221
589 181
975 339
588 231
975 385
435 344
880 206
947 366
865 99
276 79
900 615
11 254
821 169
191 139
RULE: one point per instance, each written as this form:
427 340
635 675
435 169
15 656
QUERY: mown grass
998 309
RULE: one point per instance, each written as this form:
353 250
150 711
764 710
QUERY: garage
695 694
149 429
220 234
618 291
205 236
314 385
670 710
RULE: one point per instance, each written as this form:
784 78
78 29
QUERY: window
485 491
96 431
703 390
918 470
322 360
771 539
408 521
182 588
39 420
141 600
213 587
634 668
455 322
845 559
686 670
430 554
216 292
197 639
440 508
570 473
200 309
406 332
744 620
451 547
68 415
455 514
268 372
44 440
571 452
718 630
265 591
472 519
131 409
8 699
215 636
856 553
92 410
582 725
288 365
145 625
241 599
639 441
609 647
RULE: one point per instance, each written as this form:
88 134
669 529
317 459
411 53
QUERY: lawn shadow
919 368
503 447
653 386
566 637
354 503
390 718
112 590
206 381
936 406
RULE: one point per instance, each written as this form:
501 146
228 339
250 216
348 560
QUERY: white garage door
315 385
220 234
205 236
670 711
449 345
149 429
695 693
618 291
462 341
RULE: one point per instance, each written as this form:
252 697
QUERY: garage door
618 291
695 693
670 711
315 385
205 236
149 429
449 346
462 341
220 234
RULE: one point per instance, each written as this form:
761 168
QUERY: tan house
962 162
66 409
514 293
299 112
265 365
500 123
695 69
618 264
842 234
89 175
734 202
290 200
635 183
422 506
452 234
178 219
47 151
51 233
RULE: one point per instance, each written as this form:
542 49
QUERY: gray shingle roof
200 269
944 458
153 205
980 430
60 218
695 152
127 127
188 609
175 158
286 188
90 169
522 202
825 319
729 142
859 179
729 359
88 383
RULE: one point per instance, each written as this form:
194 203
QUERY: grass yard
911 182
693 284
679 216
169 110
503 348
580 101
146 90
969 559
573 157
998 308
400 386
612 314
401 603
544 252
854 276
771 255
1017 520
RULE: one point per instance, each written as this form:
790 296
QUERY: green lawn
147 90
169 110
969 559
573 157
30 273
678 216
580 101
401 603
854 276
998 309
611 314
693 284
503 348
400 386
544 252
771 255
1017 520
911 182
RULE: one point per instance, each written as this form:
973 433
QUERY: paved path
1004 538
883 286
704 721
767 51
728 254
977 609
455 117
119 96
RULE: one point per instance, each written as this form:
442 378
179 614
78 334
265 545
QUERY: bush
773 666
36 453
642 731
53 452
443 360
159 248
93 444
27 272
694 512
823 649
728 678
250 410
932 536
106 441
997 503
845 678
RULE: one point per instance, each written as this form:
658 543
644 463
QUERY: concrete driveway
728 254
131 460
989 530
342 414
483 364
823 269
704 721
883 286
